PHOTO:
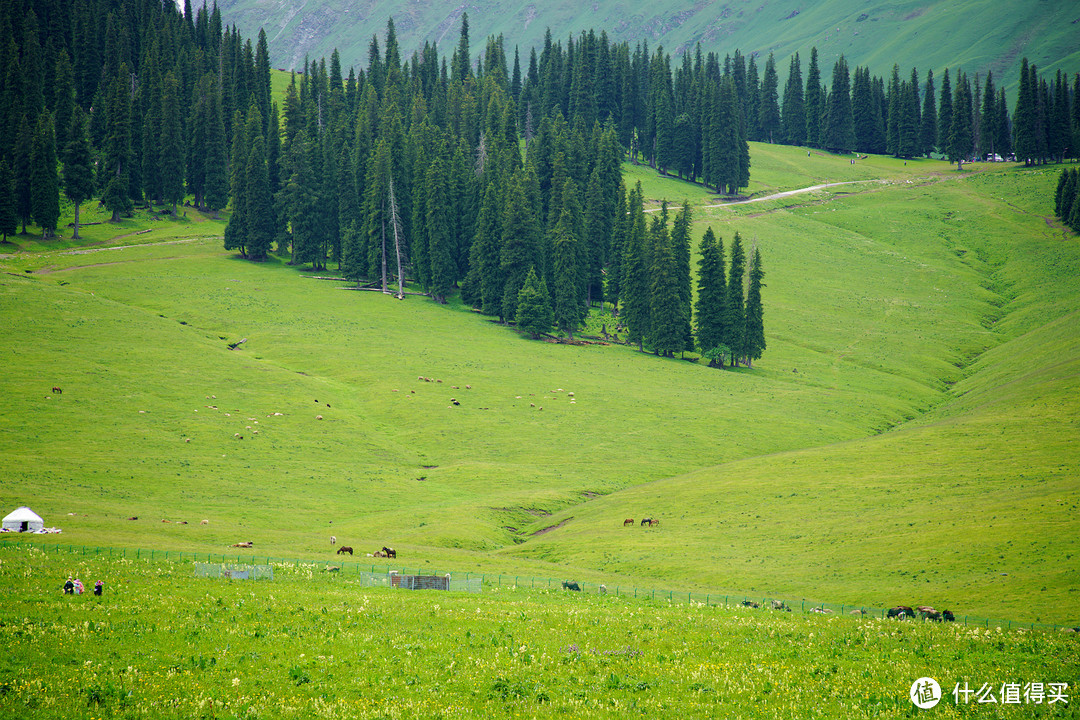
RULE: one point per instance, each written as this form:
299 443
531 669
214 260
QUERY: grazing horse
628 521
646 521
344 549
390 552
57 391
570 585
653 522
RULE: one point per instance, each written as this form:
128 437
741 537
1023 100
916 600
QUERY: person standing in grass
69 587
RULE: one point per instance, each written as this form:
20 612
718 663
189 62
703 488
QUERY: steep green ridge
915 409
975 34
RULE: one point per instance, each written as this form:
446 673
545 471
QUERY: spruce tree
711 309
484 255
794 112
520 244
236 231
44 183
814 102
259 204
736 312
117 155
666 316
634 299
532 307
78 164
680 250
769 125
8 221
754 343
22 163
216 178
988 130
566 274
170 164
840 125
439 225
960 132
892 125
928 120
1025 117
944 115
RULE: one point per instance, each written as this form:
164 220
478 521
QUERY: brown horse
57 391
628 521
344 549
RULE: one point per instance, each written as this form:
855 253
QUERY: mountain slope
976 34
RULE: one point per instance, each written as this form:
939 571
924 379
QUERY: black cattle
901 612
570 585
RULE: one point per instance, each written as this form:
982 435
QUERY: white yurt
23 520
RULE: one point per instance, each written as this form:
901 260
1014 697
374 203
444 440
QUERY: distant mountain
978 35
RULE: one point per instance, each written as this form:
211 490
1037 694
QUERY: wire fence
380 576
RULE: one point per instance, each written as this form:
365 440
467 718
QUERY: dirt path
786 193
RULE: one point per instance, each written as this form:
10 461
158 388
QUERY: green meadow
911 436
160 643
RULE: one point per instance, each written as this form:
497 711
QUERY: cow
628 521
378 554
333 539
247 544
571 585
645 522
901 612
947 616
390 552
780 605
344 549
750 604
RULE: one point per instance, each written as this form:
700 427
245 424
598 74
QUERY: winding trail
786 193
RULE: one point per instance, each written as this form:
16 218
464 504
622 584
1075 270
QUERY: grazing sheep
468 387
603 589
318 417
205 522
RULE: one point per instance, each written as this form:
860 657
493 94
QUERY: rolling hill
910 434
977 35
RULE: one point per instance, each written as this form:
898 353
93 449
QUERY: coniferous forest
493 172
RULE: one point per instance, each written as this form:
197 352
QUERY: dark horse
344 549
646 521
390 552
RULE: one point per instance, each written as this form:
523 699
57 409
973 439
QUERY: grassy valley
909 437
905 318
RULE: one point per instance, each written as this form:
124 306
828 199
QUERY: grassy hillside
975 34
909 436
315 644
